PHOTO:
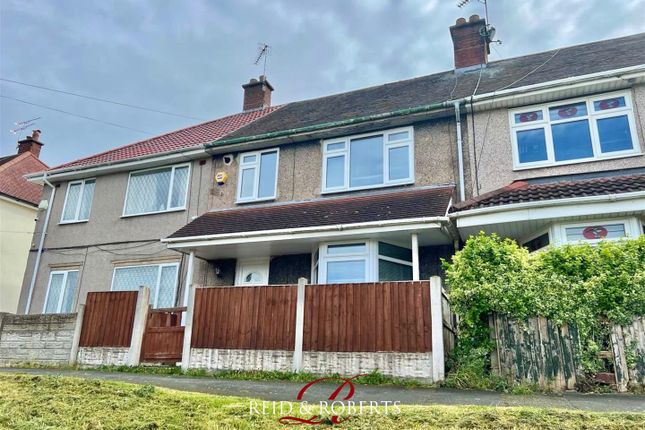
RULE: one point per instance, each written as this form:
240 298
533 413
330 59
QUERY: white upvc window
160 278
361 261
596 230
573 131
61 291
371 160
78 201
258 177
157 190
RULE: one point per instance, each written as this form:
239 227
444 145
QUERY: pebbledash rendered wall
41 339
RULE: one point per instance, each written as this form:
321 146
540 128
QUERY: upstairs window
160 278
157 190
368 161
258 177
78 201
591 128
61 291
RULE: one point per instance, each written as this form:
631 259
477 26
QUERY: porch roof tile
401 204
524 191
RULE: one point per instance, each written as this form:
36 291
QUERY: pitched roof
504 74
523 192
402 204
175 140
12 181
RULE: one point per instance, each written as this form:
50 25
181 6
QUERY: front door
252 272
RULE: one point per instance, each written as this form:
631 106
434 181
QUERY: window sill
73 222
153 213
582 160
370 187
244 202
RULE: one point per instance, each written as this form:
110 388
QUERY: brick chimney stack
31 144
257 94
471 45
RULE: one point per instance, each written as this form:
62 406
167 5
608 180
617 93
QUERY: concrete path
283 390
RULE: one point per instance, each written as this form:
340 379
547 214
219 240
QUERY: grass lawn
39 402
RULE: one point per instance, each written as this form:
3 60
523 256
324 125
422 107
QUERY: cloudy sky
191 57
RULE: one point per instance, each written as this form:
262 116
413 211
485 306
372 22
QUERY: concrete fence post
436 316
300 325
76 338
139 326
188 328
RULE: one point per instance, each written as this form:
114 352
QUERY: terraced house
371 185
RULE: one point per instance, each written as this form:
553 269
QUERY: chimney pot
470 45
257 94
31 144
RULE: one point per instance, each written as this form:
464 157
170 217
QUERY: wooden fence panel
368 317
535 350
245 317
108 318
628 347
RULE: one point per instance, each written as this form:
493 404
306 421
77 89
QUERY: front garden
591 288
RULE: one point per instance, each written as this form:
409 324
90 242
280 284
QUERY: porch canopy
557 210
297 227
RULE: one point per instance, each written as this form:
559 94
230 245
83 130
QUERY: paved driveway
284 390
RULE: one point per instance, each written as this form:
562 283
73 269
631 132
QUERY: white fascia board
636 73
338 230
577 206
118 166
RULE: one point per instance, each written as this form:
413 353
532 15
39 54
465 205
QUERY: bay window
258 176
160 278
157 190
61 291
368 161
78 201
361 261
584 129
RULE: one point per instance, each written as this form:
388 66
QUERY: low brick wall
43 339
102 356
240 359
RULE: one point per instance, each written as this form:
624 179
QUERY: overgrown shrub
591 287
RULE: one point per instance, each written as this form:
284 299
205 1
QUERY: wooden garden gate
163 338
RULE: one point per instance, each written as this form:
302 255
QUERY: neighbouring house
377 184
19 201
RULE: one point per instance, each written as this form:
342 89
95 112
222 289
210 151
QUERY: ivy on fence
592 287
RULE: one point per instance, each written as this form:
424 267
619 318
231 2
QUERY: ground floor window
591 231
160 278
61 291
361 261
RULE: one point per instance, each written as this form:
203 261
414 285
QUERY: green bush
591 287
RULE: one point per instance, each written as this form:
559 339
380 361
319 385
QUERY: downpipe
41 243
460 153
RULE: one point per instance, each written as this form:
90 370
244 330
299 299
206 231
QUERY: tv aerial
488 31
22 125
263 53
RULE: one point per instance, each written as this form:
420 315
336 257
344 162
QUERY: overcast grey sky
191 57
